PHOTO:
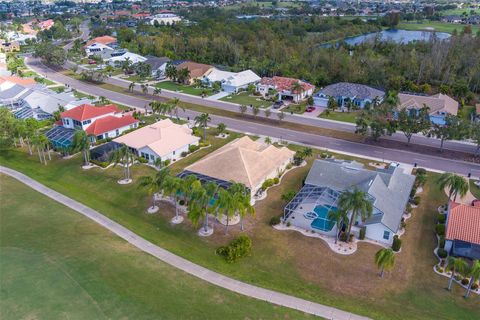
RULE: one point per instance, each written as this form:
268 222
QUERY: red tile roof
463 223
87 111
282 83
26 82
141 15
106 40
46 25
109 123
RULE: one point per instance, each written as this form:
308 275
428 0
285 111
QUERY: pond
395 35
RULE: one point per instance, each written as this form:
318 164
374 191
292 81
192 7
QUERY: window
386 235
117 132
173 152
86 122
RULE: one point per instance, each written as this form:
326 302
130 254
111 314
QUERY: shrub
343 237
465 281
142 160
396 244
441 218
276 180
184 154
267 184
416 200
323 155
440 229
238 248
439 269
102 164
350 239
288 224
274 221
202 144
289 166
413 192
403 224
420 171
441 242
475 286
442 253
166 162
363 230
193 148
409 208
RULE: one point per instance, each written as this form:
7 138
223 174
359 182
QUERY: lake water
398 36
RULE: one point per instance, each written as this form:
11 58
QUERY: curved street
183 264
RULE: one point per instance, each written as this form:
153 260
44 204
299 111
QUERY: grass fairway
283 261
435 26
57 264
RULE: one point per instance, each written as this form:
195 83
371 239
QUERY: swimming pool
322 222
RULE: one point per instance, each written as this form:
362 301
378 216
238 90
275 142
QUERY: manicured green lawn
245 99
340 116
283 261
172 86
57 264
296 108
137 79
465 112
58 89
436 25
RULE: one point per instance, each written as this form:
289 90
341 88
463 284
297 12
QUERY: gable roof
244 161
106 40
156 62
162 137
242 78
463 223
26 82
88 111
110 123
285 84
215 75
347 89
390 188
436 103
197 70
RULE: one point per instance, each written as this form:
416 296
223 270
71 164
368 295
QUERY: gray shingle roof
390 187
352 90
156 62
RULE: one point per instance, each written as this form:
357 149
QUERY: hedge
441 218
440 229
397 243
442 253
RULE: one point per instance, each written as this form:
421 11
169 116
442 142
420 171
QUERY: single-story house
440 105
165 17
388 190
285 87
156 64
12 46
243 161
105 40
118 59
216 75
99 49
197 70
462 237
240 81
162 140
361 95
99 122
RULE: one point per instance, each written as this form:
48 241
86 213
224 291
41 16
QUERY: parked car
92 62
310 109
277 104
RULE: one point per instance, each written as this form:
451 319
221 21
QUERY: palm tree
38 144
126 65
186 187
268 140
157 91
243 109
81 142
19 132
307 152
124 156
144 88
197 206
202 121
174 187
456 185
385 259
45 143
31 127
474 273
268 113
255 111
154 183
103 100
455 265
356 202
226 205
280 116
297 88
340 217
175 106
221 127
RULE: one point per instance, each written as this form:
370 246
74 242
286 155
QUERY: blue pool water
322 222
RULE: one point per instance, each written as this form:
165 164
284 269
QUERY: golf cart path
183 264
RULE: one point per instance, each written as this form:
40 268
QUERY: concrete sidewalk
183 264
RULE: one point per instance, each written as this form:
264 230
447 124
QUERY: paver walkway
183 264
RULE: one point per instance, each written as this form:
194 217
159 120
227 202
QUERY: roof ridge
247 171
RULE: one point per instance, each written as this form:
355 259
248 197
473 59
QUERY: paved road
317 141
183 264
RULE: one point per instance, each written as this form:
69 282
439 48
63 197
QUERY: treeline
290 47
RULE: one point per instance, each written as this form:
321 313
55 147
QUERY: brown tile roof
244 161
437 103
106 40
282 83
197 70
26 82
463 223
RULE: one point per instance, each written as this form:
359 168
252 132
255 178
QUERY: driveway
218 96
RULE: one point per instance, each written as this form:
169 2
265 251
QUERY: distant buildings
358 94
165 17
286 88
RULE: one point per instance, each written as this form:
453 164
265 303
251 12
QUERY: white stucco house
240 81
162 140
